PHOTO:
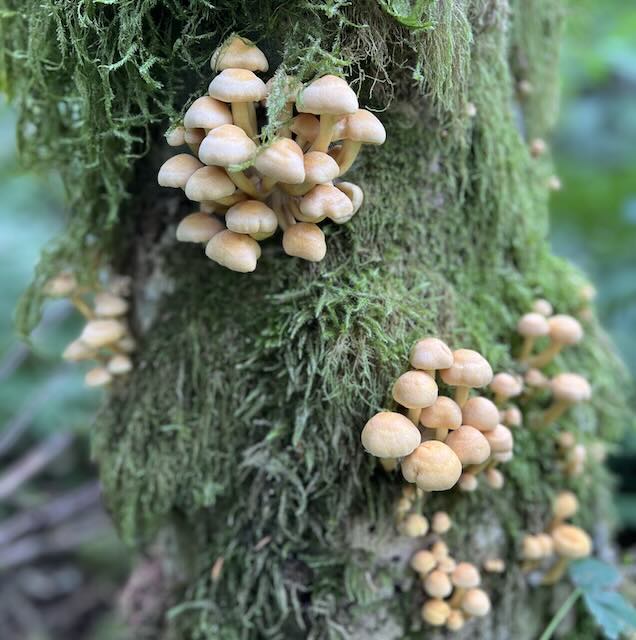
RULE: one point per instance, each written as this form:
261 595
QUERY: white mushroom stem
441 433
245 184
554 412
456 598
347 155
244 116
556 571
546 356
476 469
297 189
233 199
323 139
280 210
461 395
81 306
526 348
414 415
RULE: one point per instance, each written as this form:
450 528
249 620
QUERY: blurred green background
44 404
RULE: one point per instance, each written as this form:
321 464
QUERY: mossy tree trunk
237 435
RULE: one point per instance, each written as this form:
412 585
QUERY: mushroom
470 445
567 389
206 113
233 250
536 379
319 168
389 464
100 333
439 550
390 435
415 390
531 326
469 370
253 218
468 482
563 330
435 612
494 478
465 576
77 350
441 522
480 413
61 286
282 161
355 194
176 171
431 354
175 137
238 53
415 525
306 127
542 307
329 97
119 364
437 584
513 416
326 201
108 305
494 565
565 506
97 377
455 620
570 543
433 466
476 603
446 565
538 147
505 386
305 240
423 562
209 183
361 127
443 415
198 227
241 88
193 138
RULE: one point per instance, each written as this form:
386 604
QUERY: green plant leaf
611 611
593 575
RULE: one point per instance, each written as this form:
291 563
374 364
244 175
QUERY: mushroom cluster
106 337
259 185
436 437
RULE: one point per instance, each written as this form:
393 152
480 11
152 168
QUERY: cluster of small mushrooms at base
258 185
106 337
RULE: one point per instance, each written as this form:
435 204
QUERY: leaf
592 574
611 611
404 13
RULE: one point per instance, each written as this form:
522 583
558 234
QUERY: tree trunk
236 440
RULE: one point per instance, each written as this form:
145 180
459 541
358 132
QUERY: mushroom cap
97 377
494 565
305 125
441 522
307 241
240 53
415 389
108 305
235 251
546 543
480 413
283 161
194 136
587 292
99 333
469 444
565 329
468 482
76 351
251 217
469 369
570 388
431 354
176 171
565 505
503 456
209 183
513 417
455 620
494 478
226 145
363 126
531 548
390 435
536 378
439 550
476 603
533 325
423 562
237 85
435 612
326 201
506 385
119 364
175 137
320 167
433 466
543 307
466 576
447 565
437 584
198 227
61 285
206 113
127 344
500 439
415 525
354 193
329 95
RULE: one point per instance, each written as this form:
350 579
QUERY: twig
560 614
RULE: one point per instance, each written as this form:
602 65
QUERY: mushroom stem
244 116
546 356
281 211
81 306
556 571
245 184
233 199
323 139
414 415
441 433
530 565
526 348
456 598
555 411
476 469
297 189
461 395
301 141
389 464
347 155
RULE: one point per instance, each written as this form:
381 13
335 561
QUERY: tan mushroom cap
209 183
469 444
120 364
97 377
570 387
326 201
546 543
587 292
433 466
441 522
320 167
355 194
476 603
207 113
543 307
363 126
447 565
439 550
531 548
533 325
435 612
469 369
307 241
239 53
108 305
506 385
61 285
455 620
175 137
437 584
494 565
565 329
466 576
480 413
431 354
423 562
237 85
571 542
226 145
99 333
283 161
565 505
503 456
198 227
513 417
468 482
252 217
500 439
233 250
176 171
415 389
535 378
76 351
390 435
328 95
194 136
305 125
415 525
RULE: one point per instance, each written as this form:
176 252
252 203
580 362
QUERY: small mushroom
455 620
542 307
193 138
306 127
390 435
61 286
505 386
238 53
480 413
513 417
119 364
443 415
494 478
494 565
415 390
567 389
466 576
175 137
469 370
326 201
447 565
435 612
206 113
563 331
361 127
437 584
423 562
531 326
198 227
253 218
77 351
433 466
415 525
282 161
176 171
441 523
108 305
97 377
431 354
468 482
570 543
470 445
355 194
476 603
233 250
439 550
305 240
538 147
565 506
101 333
209 183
